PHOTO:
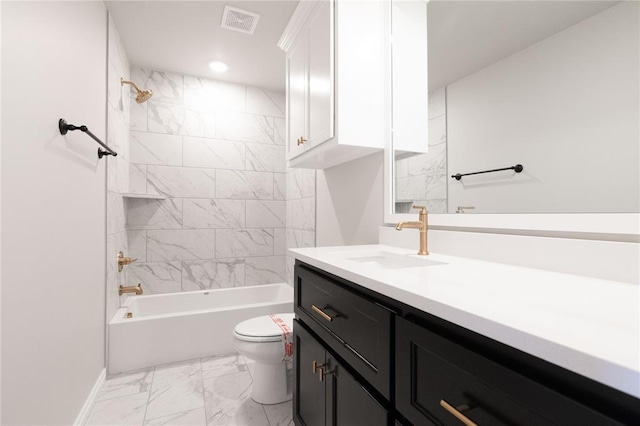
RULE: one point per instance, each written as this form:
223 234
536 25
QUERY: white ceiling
466 36
184 36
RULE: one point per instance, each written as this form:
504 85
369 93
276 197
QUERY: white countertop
586 325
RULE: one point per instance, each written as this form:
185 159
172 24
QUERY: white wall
53 209
349 202
566 108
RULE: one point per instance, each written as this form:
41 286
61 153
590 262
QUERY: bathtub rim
120 316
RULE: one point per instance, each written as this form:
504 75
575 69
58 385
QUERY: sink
389 260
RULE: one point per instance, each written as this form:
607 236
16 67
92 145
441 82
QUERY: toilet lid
263 327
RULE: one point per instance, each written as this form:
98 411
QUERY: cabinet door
309 391
297 86
348 403
321 68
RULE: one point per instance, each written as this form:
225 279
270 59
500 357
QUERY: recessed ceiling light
218 66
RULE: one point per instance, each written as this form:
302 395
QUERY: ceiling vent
239 20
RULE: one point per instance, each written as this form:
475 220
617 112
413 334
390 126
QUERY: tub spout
130 289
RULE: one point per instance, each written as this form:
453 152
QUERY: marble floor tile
208 391
126 410
126 384
280 414
195 417
222 365
176 388
228 401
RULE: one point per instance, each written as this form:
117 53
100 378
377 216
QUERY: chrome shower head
142 95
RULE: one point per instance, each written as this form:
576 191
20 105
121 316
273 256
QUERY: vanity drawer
359 328
431 369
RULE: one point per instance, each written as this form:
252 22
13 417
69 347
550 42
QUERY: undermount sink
389 260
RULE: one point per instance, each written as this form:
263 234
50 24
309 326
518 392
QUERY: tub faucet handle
122 261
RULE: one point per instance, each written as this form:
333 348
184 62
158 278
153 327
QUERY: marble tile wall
301 212
422 179
216 151
118 106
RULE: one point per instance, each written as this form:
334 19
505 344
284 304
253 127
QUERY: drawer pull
323 314
457 412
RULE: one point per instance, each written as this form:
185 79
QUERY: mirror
552 86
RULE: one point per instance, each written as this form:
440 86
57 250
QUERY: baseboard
88 404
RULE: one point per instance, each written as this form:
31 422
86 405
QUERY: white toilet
261 340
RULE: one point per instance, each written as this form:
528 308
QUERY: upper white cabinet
337 83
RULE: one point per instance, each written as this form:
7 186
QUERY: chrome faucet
422 224
130 289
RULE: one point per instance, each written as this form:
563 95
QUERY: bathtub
166 328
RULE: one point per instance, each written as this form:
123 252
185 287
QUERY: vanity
386 337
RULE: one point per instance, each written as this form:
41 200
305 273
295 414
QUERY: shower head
142 95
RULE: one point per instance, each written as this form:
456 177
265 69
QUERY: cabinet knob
301 140
457 412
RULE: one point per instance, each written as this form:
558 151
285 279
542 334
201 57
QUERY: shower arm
64 127
123 82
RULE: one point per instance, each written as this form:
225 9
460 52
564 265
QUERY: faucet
422 225
130 289
122 261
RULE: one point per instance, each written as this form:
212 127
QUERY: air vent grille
239 20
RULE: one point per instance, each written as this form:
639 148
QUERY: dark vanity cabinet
362 358
325 392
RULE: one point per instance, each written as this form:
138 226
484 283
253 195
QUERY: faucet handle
423 209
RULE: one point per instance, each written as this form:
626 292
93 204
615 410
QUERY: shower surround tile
280 186
279 131
212 213
180 245
212 94
244 185
214 153
154 214
181 181
157 149
165 117
265 102
167 87
244 242
138 115
265 214
266 270
212 274
217 151
265 158
138 179
156 277
244 127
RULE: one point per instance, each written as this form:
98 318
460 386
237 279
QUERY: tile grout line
204 399
146 408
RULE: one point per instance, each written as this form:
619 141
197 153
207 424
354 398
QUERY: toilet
267 340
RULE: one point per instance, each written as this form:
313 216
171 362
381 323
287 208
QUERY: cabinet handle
322 373
324 314
315 366
457 412
301 140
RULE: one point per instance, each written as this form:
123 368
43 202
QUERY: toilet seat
262 329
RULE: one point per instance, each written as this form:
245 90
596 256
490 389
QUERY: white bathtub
172 327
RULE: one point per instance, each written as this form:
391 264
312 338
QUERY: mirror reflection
552 86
